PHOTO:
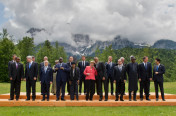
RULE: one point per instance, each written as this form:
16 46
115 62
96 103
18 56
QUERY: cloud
137 20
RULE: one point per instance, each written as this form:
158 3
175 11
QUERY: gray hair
29 57
46 61
95 58
122 58
46 57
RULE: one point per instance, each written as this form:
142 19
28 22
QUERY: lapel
28 66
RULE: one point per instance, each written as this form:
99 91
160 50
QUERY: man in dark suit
61 78
145 76
16 74
46 78
119 76
82 65
74 81
158 72
68 73
40 68
30 78
101 78
109 68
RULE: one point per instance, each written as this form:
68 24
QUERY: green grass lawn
88 111
169 87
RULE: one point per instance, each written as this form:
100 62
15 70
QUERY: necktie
146 66
29 65
110 64
157 68
45 69
16 65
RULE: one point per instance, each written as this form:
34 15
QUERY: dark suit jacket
159 76
32 72
117 75
10 62
41 65
16 73
101 71
110 69
143 73
62 75
82 68
76 76
46 77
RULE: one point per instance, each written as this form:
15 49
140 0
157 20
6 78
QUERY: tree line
26 46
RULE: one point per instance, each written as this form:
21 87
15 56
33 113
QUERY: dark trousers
110 79
68 87
45 87
160 84
60 84
31 84
100 90
15 88
144 86
134 95
74 89
82 80
119 89
90 89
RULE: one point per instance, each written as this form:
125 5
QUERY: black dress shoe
129 99
62 99
77 99
148 99
116 99
57 99
106 100
33 99
100 99
134 100
163 99
11 99
17 99
156 99
121 100
47 99
43 100
27 100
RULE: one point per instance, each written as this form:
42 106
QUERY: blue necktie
146 66
157 68
29 65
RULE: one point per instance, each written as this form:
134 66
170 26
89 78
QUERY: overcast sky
137 20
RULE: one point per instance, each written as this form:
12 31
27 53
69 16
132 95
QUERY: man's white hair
29 57
46 57
46 61
122 58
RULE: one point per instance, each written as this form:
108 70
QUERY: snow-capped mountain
84 45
